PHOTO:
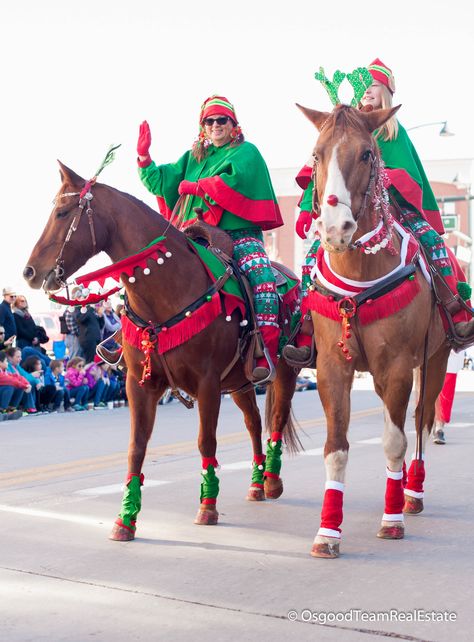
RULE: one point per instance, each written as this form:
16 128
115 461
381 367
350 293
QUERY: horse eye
316 158
62 213
366 155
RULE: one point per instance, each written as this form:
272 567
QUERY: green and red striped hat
217 105
379 71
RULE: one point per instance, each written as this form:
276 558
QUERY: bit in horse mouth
50 284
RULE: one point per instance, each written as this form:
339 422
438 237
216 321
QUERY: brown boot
298 355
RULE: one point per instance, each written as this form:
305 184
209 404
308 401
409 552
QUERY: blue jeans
10 396
79 394
97 392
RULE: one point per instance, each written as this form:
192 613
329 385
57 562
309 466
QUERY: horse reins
85 198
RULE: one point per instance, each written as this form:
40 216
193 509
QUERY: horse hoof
255 494
325 550
413 505
273 488
206 517
397 531
121 534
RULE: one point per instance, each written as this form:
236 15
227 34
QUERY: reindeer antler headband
360 79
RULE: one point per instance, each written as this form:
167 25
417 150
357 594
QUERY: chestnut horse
120 225
393 340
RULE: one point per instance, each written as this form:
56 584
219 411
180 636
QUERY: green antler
331 87
360 79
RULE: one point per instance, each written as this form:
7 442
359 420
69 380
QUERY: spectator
12 389
120 309
70 329
7 320
444 403
76 383
29 336
90 326
112 323
112 384
14 367
49 397
96 384
6 343
54 377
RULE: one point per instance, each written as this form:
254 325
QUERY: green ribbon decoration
257 473
273 460
109 157
209 484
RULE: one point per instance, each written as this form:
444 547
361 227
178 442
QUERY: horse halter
85 198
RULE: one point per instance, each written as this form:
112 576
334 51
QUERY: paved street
61 579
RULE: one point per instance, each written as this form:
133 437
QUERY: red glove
144 139
303 223
188 187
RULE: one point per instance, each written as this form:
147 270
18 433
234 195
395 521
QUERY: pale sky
79 76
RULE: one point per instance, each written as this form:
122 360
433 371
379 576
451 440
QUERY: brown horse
120 225
363 244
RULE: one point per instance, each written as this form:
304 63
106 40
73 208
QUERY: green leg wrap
209 484
257 474
131 502
273 460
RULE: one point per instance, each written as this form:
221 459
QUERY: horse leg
335 397
396 395
247 403
209 401
414 492
142 401
279 424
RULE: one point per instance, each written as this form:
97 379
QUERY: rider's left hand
188 187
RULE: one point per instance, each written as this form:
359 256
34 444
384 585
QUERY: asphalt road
62 579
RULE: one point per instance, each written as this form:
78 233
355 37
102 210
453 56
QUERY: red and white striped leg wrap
416 477
394 498
331 513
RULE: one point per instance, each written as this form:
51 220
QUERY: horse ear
67 175
318 118
378 117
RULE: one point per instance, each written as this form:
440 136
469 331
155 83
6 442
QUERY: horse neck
358 266
175 283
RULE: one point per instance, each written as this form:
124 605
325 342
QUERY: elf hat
379 71
217 105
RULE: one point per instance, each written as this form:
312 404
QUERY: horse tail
289 430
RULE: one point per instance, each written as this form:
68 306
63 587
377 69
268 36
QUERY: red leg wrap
331 513
209 461
259 459
394 497
416 476
276 436
209 501
405 476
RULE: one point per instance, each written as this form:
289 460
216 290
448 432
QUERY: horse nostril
348 225
29 273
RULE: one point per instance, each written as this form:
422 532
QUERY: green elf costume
232 185
419 214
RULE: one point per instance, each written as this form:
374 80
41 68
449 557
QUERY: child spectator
76 383
14 358
54 377
12 389
96 384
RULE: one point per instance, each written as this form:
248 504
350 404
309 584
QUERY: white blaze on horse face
336 224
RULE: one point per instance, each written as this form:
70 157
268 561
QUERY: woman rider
228 178
410 188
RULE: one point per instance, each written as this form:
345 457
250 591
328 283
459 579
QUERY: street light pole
444 131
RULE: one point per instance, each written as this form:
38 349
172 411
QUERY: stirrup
271 371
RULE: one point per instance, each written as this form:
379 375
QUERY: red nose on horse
89 218
372 310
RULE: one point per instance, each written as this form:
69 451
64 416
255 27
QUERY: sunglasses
222 120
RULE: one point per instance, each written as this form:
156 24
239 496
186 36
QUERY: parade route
249 576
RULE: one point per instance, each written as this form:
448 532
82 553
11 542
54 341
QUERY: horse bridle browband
85 198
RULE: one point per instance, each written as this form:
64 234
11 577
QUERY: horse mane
345 117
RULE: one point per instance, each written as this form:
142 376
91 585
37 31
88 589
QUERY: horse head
70 238
345 158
